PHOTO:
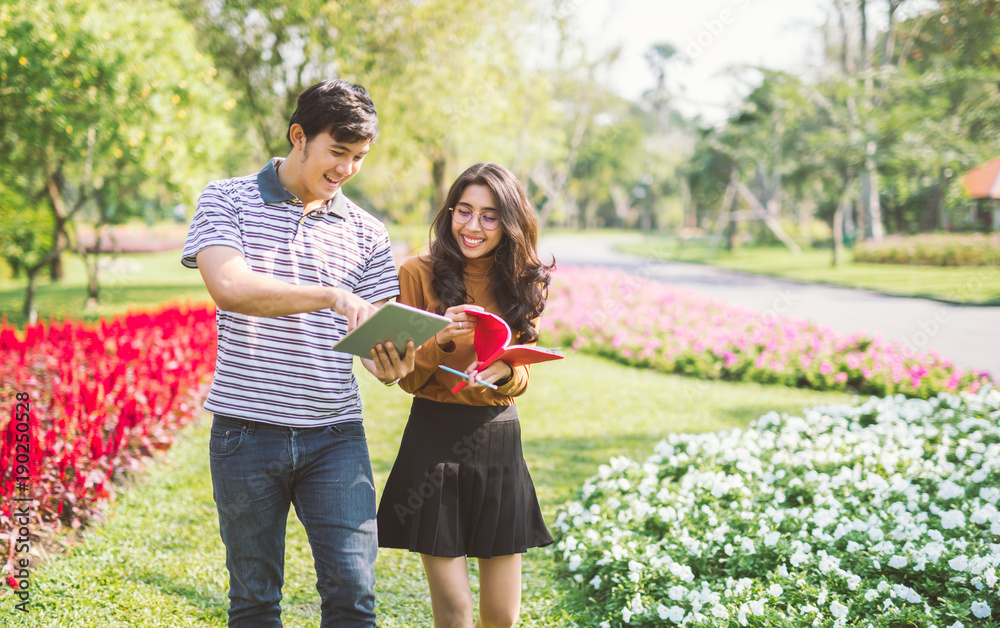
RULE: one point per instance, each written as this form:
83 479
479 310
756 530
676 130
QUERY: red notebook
491 340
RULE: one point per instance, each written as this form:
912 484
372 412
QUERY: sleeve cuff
516 385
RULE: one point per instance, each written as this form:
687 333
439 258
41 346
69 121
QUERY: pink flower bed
651 324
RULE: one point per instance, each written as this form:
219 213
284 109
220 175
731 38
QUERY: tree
608 170
268 51
106 108
452 85
856 67
659 57
577 102
444 75
935 109
25 231
925 107
764 142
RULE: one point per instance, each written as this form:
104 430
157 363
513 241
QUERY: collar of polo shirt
273 192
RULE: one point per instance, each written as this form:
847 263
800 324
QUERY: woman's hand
493 373
460 325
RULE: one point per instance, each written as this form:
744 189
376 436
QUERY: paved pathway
968 336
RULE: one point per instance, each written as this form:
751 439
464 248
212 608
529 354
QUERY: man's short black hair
337 107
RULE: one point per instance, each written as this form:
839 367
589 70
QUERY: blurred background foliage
113 111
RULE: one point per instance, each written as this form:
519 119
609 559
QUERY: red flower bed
100 399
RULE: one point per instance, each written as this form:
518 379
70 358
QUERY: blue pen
460 373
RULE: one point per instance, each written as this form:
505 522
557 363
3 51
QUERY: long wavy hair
520 280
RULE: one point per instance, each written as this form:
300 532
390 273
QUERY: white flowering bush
882 514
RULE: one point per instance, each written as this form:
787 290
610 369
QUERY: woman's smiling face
473 239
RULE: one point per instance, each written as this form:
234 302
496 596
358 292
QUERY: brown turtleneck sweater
427 381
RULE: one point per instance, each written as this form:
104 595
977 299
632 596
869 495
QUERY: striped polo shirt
282 370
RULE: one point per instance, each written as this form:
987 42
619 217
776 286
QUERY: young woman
459 487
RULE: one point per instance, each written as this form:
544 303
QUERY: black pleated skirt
460 486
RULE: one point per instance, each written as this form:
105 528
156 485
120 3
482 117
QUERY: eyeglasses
462 216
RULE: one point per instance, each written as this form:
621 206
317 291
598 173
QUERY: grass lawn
130 281
158 561
961 284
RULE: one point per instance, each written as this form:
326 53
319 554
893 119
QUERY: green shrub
933 249
25 231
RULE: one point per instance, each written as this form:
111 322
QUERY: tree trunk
863 209
855 113
93 280
646 217
621 200
725 209
93 285
770 221
60 216
690 215
555 181
850 228
589 212
838 234
437 176
863 14
890 34
942 215
574 214
730 233
872 202
805 210
91 262
56 271
846 59
29 293
838 222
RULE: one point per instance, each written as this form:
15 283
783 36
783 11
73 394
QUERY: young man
293 265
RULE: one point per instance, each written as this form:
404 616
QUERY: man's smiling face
326 164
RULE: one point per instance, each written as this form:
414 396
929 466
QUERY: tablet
396 323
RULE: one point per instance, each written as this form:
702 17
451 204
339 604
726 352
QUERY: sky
713 34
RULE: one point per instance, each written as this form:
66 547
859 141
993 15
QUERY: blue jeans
257 471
